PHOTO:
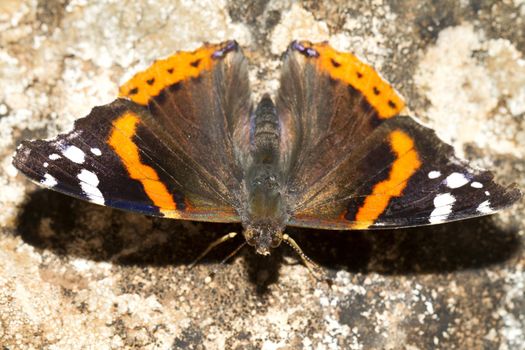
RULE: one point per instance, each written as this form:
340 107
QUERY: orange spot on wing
363 77
405 165
163 73
121 140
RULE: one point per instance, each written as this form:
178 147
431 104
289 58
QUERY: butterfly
332 151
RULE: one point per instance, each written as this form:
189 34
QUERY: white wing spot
54 156
443 207
476 184
96 151
46 164
74 154
487 193
89 184
456 180
48 181
434 174
484 208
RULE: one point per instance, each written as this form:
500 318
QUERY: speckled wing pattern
150 150
353 162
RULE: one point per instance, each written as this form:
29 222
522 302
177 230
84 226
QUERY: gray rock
75 275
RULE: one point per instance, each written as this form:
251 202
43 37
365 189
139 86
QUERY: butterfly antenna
314 269
232 253
213 245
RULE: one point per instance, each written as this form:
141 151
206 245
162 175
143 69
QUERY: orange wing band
348 68
406 164
163 73
121 140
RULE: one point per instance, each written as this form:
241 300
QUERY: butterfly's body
183 141
265 214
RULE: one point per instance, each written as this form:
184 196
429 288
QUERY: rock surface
75 275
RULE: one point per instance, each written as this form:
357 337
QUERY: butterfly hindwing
328 105
149 151
201 101
353 163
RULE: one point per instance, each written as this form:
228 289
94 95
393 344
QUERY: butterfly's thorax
265 211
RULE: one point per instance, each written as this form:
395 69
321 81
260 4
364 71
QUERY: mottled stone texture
75 275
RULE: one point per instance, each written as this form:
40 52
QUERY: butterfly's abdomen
265 133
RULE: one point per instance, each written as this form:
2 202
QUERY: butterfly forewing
408 177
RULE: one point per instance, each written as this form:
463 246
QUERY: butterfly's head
263 237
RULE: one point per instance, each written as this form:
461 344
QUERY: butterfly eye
276 241
249 235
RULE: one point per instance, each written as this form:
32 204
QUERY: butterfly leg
213 245
214 272
314 269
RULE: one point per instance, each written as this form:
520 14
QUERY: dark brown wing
172 146
352 162
329 103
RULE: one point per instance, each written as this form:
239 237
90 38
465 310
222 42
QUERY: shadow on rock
71 227
74 228
467 244
67 226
